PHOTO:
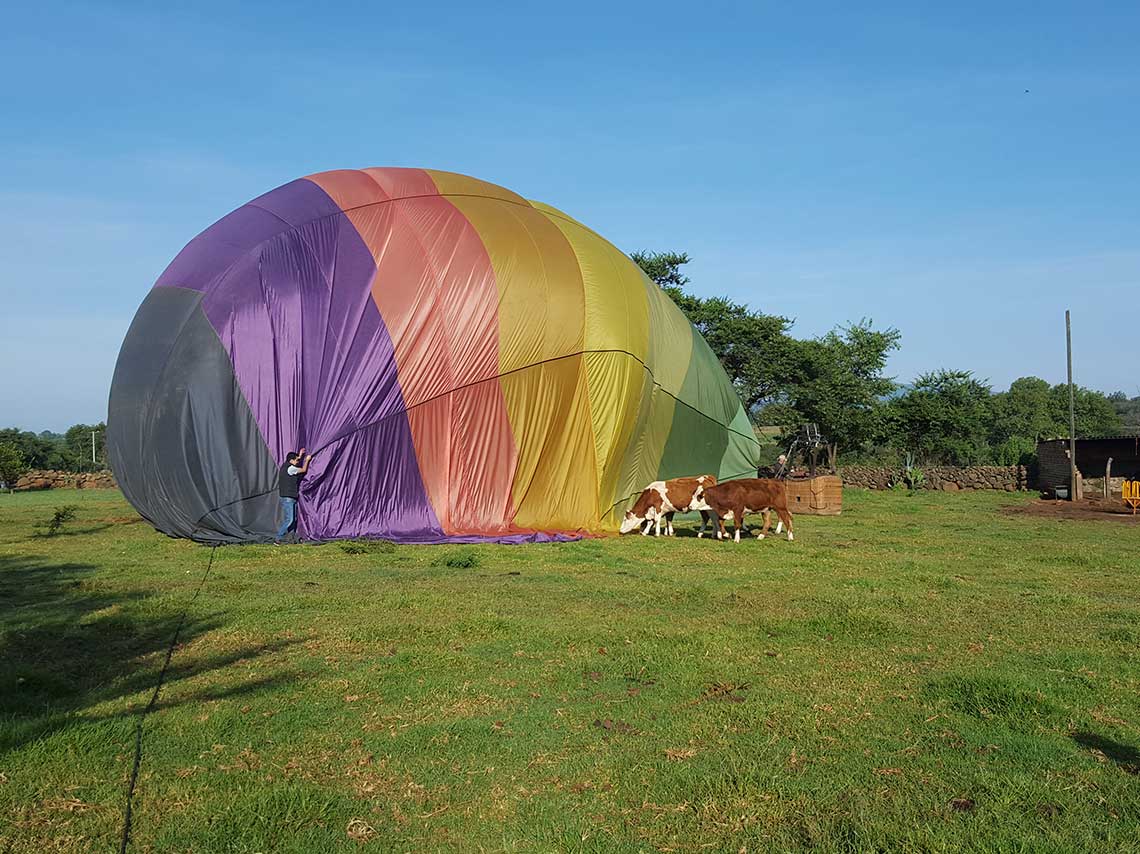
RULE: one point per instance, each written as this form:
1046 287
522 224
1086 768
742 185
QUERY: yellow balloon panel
541 303
616 383
454 184
616 344
555 483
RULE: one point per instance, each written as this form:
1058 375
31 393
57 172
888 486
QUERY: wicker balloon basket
815 496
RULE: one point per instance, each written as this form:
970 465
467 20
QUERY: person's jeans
289 509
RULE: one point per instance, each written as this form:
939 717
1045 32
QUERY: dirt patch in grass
1081 511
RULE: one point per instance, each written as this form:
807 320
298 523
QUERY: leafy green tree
77 440
838 383
12 463
1033 410
1014 451
68 452
665 269
1095 413
1127 409
38 452
945 417
1025 412
755 349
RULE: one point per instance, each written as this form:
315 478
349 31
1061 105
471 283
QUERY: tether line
126 836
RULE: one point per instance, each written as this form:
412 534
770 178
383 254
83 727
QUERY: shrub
61 517
12 464
915 477
465 559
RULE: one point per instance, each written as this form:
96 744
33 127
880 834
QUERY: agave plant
914 477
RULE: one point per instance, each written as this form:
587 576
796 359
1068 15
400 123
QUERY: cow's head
632 521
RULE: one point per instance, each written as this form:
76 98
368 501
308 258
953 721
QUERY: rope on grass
126 837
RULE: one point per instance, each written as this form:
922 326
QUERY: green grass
922 673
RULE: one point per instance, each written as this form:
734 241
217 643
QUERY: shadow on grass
679 532
730 533
1125 756
69 643
72 532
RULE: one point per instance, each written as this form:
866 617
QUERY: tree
755 349
1033 410
1095 414
665 269
945 417
12 463
68 452
1025 412
838 383
77 440
1128 410
38 452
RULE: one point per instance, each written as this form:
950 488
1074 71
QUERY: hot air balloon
465 365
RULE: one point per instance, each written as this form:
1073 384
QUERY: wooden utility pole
1072 413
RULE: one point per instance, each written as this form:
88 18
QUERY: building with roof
1093 456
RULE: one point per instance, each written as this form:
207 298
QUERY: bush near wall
65 480
946 478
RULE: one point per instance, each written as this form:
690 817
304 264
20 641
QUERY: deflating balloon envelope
465 364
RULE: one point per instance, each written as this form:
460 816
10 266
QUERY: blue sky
953 172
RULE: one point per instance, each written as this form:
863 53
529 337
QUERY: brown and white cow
661 499
735 498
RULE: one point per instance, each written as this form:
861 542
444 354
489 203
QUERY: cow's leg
648 525
721 533
738 523
668 524
779 524
785 516
767 523
704 522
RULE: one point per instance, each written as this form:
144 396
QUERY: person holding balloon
289 488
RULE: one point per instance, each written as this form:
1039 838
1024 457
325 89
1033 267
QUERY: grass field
922 673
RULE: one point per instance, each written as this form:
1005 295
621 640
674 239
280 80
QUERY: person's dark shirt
289 485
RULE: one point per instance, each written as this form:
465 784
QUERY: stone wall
1094 486
65 480
946 478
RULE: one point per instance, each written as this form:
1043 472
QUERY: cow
661 499
735 498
